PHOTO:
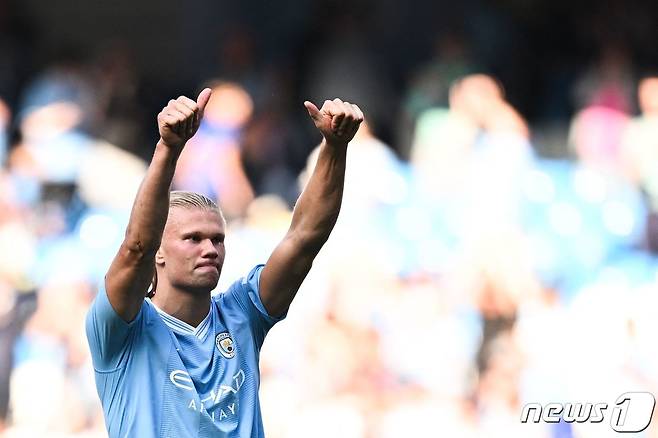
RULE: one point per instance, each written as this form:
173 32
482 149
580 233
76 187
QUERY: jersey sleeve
246 293
110 337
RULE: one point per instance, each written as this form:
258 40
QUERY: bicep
127 281
284 273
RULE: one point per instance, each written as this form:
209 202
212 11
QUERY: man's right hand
180 119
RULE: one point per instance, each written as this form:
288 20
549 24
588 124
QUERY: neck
190 307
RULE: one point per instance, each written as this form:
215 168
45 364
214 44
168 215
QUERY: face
192 251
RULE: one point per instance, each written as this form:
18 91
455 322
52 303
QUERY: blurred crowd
476 265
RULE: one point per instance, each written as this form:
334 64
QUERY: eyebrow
200 233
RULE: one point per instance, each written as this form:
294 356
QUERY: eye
194 238
218 239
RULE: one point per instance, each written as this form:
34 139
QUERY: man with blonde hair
183 363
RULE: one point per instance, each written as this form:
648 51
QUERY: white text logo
631 413
209 403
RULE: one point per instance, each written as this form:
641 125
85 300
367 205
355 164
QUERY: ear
159 258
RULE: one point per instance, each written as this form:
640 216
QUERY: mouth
207 266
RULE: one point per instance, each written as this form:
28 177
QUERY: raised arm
316 210
133 267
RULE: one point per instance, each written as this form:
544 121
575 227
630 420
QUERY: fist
337 121
180 119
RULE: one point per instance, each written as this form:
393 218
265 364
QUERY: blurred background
499 234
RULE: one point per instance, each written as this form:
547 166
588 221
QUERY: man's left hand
337 121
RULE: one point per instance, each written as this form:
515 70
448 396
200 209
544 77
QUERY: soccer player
183 363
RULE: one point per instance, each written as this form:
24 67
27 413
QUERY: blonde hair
192 200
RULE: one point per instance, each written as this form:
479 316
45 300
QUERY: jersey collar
182 327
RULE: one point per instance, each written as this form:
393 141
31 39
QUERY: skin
189 263
180 241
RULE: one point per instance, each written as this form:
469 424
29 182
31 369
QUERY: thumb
203 99
313 110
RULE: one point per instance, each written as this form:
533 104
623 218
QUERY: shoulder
246 283
244 294
110 338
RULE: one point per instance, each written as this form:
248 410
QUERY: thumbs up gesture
337 121
180 119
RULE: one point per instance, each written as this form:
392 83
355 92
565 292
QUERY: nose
208 249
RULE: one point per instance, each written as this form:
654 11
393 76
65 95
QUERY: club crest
225 345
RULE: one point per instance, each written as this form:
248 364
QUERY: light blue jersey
160 377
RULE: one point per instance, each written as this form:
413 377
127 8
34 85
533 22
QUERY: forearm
151 206
318 206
